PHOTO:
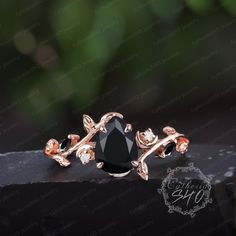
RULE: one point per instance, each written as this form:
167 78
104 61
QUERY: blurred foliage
200 6
68 48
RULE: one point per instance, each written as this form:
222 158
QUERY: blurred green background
158 62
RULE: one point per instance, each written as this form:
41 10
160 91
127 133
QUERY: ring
113 145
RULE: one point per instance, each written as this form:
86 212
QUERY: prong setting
85 153
128 128
146 139
134 163
119 175
74 139
99 165
103 129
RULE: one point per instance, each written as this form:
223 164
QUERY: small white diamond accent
85 158
149 135
84 154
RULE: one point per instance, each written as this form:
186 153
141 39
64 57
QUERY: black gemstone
116 149
169 148
65 144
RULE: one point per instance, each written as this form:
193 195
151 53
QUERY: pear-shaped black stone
116 148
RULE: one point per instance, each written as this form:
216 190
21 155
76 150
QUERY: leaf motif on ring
142 170
88 123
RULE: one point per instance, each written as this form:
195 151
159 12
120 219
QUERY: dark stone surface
38 197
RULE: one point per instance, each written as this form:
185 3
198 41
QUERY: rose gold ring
113 145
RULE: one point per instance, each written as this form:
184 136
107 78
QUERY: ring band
113 145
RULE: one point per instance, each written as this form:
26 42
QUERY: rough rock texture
38 197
